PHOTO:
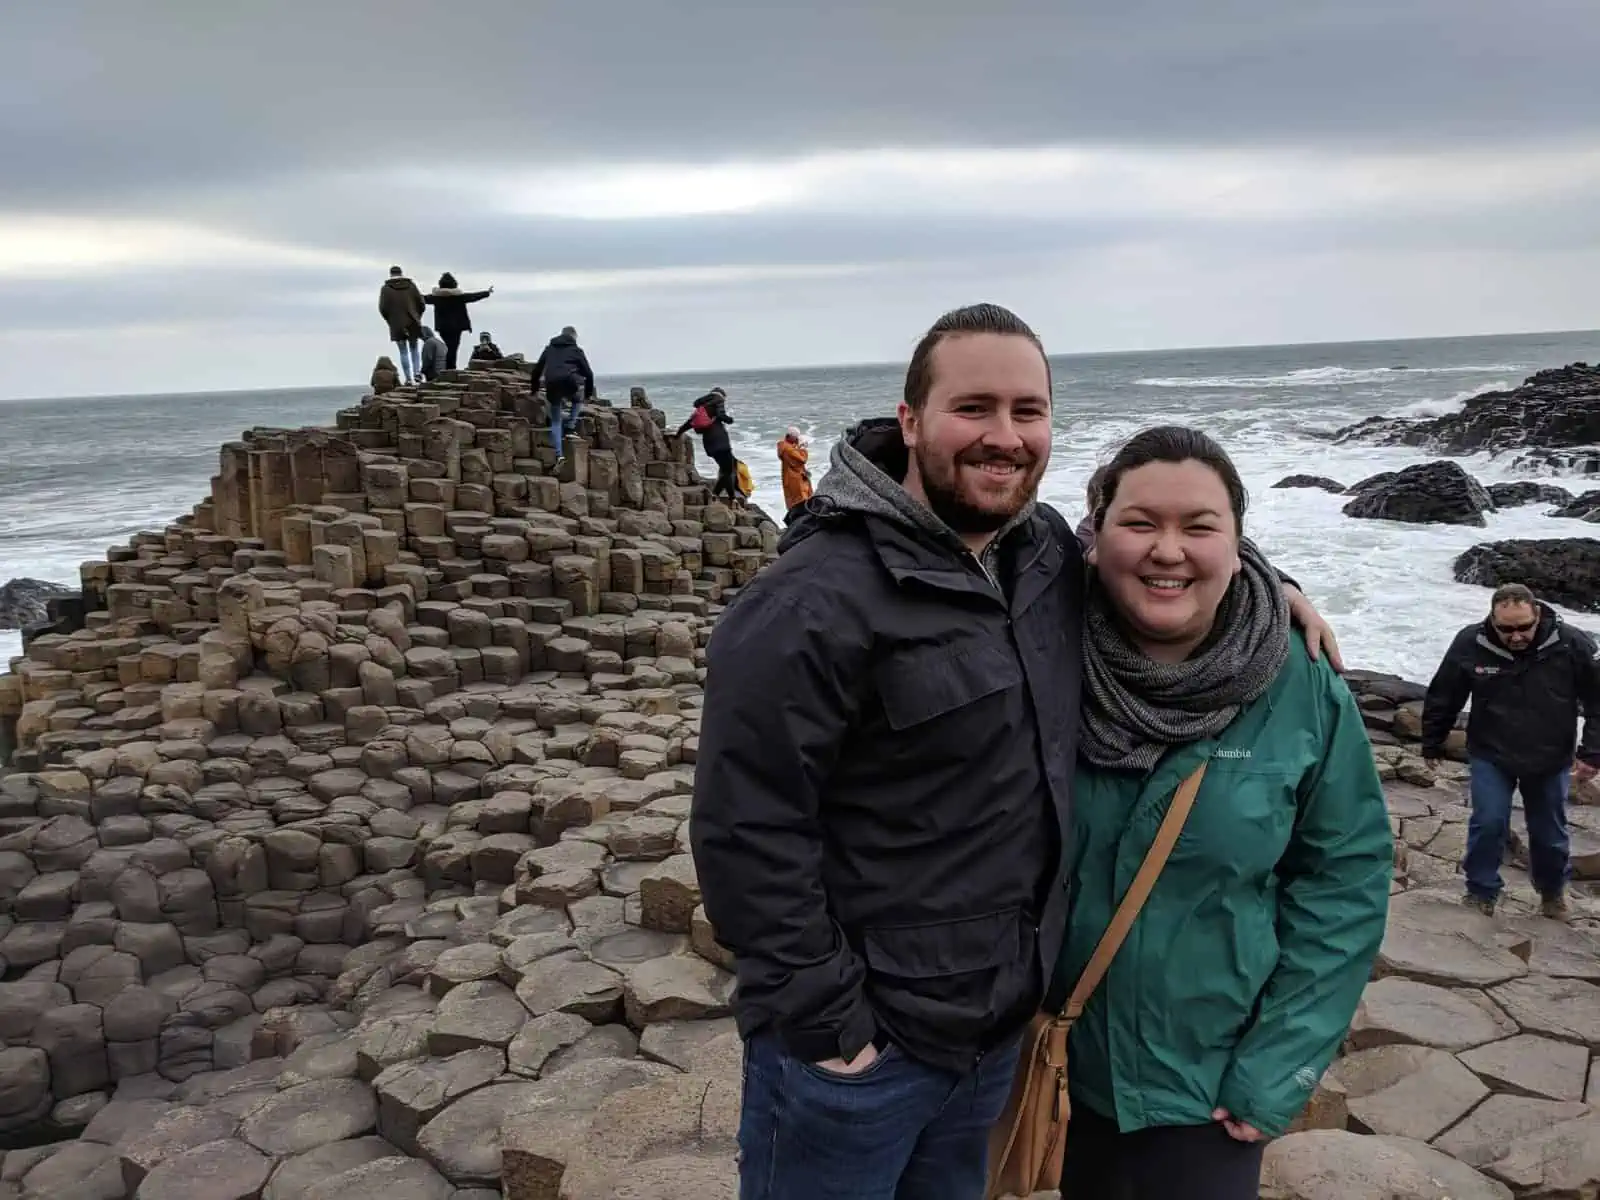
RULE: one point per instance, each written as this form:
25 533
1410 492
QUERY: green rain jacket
1239 979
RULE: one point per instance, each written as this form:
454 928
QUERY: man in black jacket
1530 676
568 381
882 789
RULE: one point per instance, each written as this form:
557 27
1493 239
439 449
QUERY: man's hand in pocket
858 1064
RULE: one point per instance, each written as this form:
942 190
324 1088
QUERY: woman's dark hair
1171 444
447 280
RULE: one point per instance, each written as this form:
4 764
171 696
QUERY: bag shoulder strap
1155 860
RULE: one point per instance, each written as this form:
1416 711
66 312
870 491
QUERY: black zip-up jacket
884 773
563 366
450 314
1525 706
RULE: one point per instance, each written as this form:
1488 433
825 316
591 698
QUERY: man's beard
945 499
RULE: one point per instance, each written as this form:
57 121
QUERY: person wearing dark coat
568 382
433 355
485 350
710 419
450 316
400 305
384 377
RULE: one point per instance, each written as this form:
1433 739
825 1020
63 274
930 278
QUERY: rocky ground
338 877
1553 418
22 601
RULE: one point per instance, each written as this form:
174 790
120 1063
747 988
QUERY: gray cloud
296 125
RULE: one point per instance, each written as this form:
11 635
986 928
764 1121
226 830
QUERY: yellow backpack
742 475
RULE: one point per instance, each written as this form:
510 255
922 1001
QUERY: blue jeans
410 358
900 1130
1544 804
572 404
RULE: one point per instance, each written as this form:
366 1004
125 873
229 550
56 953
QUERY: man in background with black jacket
568 381
1530 676
883 783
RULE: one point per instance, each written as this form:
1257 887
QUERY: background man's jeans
410 358
1544 803
564 410
900 1130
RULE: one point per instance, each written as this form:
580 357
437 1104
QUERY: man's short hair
1513 593
568 331
396 271
974 318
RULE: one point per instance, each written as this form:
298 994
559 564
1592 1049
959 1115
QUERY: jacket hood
398 281
864 473
427 331
563 339
444 291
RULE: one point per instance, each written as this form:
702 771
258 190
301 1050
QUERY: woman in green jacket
1240 976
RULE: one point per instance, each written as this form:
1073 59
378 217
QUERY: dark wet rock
1580 508
22 601
1565 571
1526 491
1310 481
1558 408
1435 493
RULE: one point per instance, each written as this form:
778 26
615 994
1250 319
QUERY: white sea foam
1317 377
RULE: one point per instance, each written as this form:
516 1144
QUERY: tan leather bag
1029 1140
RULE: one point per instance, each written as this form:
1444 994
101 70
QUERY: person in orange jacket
793 456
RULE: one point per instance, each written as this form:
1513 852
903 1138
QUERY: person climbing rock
450 316
568 382
795 459
400 305
1529 676
709 419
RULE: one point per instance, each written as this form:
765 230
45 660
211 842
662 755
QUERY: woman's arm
1333 899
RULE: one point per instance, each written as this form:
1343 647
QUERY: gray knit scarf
1134 709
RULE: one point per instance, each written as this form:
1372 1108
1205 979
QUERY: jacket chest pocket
1243 817
922 685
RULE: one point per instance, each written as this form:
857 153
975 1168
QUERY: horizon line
699 372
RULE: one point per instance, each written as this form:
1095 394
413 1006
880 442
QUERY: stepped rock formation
1554 410
348 859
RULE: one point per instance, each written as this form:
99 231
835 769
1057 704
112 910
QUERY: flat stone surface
298 1175
1483 1136
484 1012
1558 1161
79 1170
464 1140
567 983
410 1094
383 1042
463 964
1326 1164
385 1179
541 1038
1530 1065
1434 940
1405 1011
1407 1091
679 987
309 1115
183 1128
678 1043
1567 1009
330 1056
221 1170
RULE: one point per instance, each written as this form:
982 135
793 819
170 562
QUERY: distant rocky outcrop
1524 492
22 601
1562 570
1581 508
1435 493
1555 409
1310 481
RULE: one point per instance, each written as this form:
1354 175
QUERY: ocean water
77 476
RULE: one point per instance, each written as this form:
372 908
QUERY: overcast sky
197 194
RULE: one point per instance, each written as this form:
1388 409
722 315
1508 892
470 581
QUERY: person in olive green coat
1240 976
